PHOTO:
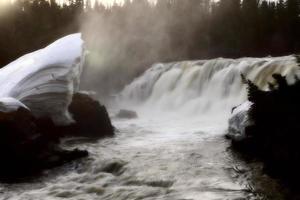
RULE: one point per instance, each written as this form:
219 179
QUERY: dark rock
26 151
115 167
29 145
92 119
274 135
128 114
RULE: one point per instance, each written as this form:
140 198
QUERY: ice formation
45 80
8 104
239 119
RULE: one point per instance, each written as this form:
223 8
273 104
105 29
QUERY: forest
138 33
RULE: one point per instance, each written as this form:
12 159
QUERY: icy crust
45 80
239 120
8 104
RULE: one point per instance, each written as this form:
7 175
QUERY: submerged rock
128 114
114 167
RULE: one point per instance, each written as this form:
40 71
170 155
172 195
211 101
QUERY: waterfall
204 86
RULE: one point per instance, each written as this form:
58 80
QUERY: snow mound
45 80
239 120
8 104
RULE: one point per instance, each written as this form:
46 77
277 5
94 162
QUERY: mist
123 41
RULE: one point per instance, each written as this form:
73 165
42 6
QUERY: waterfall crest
205 85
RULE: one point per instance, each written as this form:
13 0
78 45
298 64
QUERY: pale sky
106 2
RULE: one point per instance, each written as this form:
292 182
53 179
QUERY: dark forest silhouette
192 29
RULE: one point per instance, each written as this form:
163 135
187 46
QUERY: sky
106 2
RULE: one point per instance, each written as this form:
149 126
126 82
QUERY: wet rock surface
26 151
92 119
273 137
29 145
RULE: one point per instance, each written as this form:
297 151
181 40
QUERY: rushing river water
148 159
175 149
145 161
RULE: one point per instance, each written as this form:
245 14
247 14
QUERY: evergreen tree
168 30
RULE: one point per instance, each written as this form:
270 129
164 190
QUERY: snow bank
239 120
8 104
45 80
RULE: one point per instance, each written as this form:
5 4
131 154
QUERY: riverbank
271 131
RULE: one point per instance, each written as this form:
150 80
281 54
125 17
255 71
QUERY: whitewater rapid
206 86
175 149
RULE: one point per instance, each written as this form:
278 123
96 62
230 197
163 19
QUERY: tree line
139 33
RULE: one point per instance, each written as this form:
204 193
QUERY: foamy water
144 161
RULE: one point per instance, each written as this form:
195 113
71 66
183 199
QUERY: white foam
202 88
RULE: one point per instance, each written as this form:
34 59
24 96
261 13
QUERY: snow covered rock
35 88
238 121
45 80
8 104
39 101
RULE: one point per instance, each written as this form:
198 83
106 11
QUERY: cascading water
175 149
201 86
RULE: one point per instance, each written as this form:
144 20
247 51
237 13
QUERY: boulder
26 151
39 104
128 114
91 118
33 143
